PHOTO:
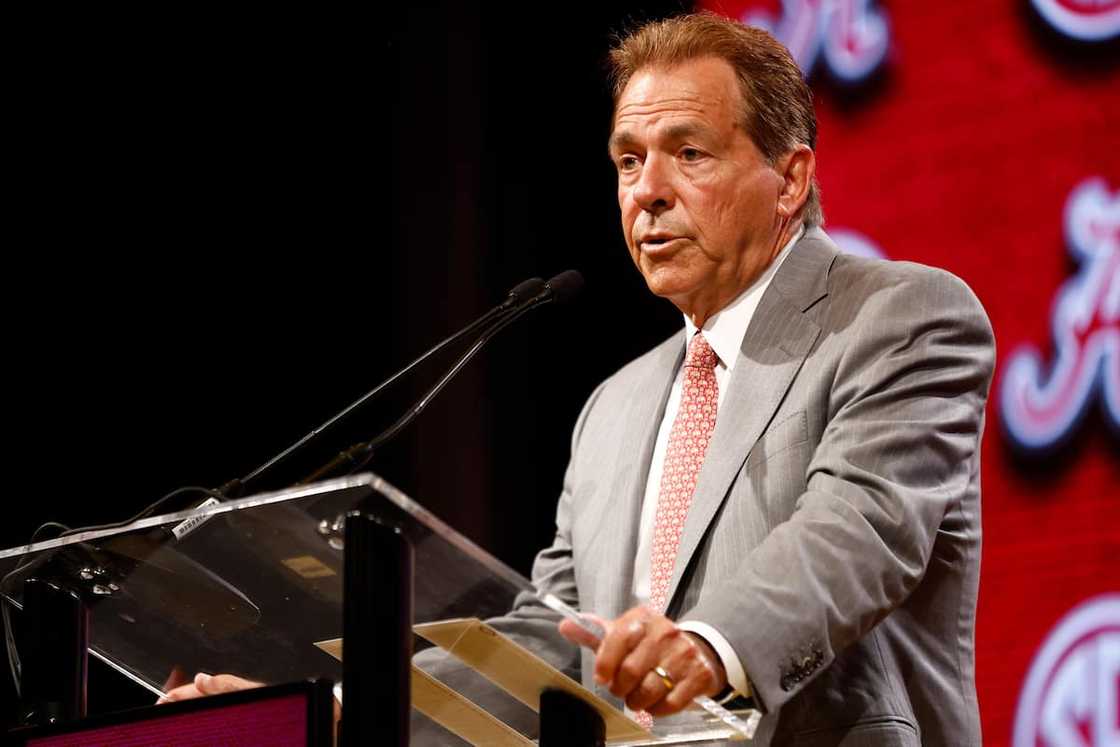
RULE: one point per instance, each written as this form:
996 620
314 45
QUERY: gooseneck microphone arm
560 289
519 295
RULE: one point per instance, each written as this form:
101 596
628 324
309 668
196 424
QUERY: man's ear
797 169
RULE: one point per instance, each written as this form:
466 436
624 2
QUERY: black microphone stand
527 289
360 453
559 288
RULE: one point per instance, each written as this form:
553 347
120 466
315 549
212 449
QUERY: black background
226 226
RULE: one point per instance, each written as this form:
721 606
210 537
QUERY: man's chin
667 284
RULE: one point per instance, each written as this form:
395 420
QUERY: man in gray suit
783 503
797 520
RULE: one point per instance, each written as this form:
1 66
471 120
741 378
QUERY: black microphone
518 296
560 288
523 290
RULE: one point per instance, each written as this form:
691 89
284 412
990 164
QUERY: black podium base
55 659
567 721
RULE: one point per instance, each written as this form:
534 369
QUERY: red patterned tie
688 441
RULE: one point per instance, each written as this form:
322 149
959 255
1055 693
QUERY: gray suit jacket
834 536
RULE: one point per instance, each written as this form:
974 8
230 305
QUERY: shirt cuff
736 676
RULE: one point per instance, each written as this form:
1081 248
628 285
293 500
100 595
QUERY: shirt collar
725 329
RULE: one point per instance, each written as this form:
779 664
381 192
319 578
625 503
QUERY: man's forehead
703 87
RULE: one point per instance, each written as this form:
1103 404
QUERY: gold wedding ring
666 680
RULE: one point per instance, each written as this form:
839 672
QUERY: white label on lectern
189 525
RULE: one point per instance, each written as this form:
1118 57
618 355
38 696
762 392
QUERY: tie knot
700 353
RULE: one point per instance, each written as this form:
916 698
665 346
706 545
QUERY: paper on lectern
515 669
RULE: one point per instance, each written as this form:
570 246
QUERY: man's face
698 200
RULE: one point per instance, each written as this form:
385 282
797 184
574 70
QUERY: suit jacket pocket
773 475
781 436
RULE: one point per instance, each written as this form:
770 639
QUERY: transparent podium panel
253 587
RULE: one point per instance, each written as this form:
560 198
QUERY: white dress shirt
724 331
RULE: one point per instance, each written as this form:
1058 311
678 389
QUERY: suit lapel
638 437
775 346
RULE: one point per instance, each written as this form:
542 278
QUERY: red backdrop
982 137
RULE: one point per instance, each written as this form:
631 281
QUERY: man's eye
628 163
690 154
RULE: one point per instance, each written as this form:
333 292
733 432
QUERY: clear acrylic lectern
254 587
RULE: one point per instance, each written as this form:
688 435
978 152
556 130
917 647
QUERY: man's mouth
660 244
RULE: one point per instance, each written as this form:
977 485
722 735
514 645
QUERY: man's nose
653 191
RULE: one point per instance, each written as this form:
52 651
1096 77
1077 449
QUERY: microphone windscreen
526 289
566 285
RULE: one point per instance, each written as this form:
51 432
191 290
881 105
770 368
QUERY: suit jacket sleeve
900 446
530 623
